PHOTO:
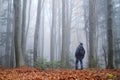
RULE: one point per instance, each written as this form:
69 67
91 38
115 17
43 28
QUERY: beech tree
17 33
92 33
110 34
37 29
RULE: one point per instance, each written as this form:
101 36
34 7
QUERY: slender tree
27 27
92 33
23 41
8 30
116 32
68 30
66 24
86 20
53 27
63 55
17 33
42 32
36 34
110 34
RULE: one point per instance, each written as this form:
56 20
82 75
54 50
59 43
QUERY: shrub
44 64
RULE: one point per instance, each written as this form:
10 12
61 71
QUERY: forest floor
27 73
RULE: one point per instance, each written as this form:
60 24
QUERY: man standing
79 55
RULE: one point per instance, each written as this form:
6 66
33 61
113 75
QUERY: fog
32 31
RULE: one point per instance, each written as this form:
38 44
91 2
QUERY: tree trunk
68 30
23 41
53 37
86 20
66 23
36 34
42 36
17 33
63 55
92 33
110 34
8 45
59 34
27 27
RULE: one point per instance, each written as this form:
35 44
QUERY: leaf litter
28 73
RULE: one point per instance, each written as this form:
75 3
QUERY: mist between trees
46 33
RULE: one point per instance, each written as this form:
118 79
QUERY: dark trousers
76 63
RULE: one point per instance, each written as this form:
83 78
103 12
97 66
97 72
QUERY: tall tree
36 34
92 33
23 41
86 20
63 55
17 33
42 32
68 30
8 30
116 32
66 24
58 40
53 27
27 26
110 34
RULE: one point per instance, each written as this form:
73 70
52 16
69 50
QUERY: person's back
79 54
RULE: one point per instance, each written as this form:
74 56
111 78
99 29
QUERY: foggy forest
42 39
